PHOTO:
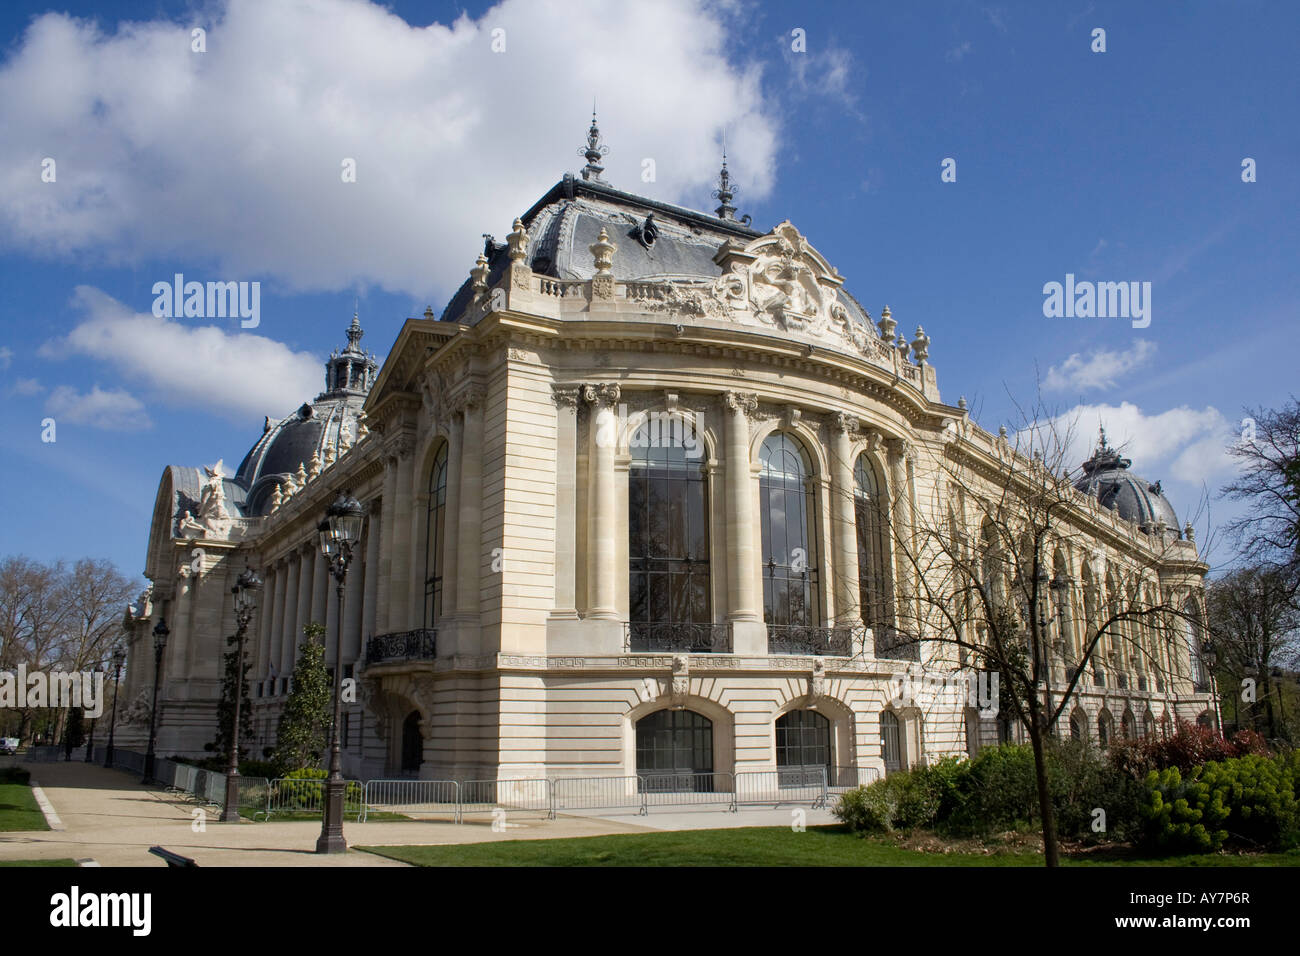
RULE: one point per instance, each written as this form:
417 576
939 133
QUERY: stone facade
486 615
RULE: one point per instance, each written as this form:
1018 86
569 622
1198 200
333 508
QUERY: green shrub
1081 780
997 792
867 809
1182 816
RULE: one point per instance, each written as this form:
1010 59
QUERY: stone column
352 610
451 529
844 525
331 618
386 547
306 570
604 523
369 569
469 562
566 501
277 623
400 594
265 621
320 586
288 638
904 548
178 659
744 605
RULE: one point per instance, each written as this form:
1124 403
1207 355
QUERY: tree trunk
1050 851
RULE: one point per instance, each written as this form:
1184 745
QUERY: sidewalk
111 818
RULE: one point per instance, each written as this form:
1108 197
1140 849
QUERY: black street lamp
160 633
119 658
245 591
339 534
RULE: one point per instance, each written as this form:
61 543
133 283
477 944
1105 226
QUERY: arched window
412 743
788 515
668 543
1148 728
875 583
803 739
1128 724
1078 726
1104 729
434 523
891 741
1192 635
672 747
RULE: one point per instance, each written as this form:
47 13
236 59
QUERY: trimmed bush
1190 746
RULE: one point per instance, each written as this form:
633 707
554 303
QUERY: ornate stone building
634 502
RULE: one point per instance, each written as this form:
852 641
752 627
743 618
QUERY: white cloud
238 375
6 356
1098 369
26 386
115 409
1182 445
956 53
231 159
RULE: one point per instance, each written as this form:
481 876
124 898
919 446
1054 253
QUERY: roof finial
725 191
594 150
1101 430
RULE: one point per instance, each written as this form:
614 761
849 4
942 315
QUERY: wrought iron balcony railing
890 644
807 639
677 636
419 644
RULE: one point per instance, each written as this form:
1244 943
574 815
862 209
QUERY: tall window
789 536
1192 635
891 741
672 748
803 739
668 542
875 583
434 536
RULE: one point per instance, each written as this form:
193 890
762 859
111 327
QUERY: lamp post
245 591
119 658
160 633
339 534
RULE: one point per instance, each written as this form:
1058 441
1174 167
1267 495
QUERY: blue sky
1123 165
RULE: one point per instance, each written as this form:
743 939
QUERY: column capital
843 423
900 449
566 396
603 395
472 396
735 401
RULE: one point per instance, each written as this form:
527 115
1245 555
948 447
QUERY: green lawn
38 862
18 810
751 846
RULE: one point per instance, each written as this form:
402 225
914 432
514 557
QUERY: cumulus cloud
239 375
113 409
1181 445
26 386
232 158
1098 369
6 356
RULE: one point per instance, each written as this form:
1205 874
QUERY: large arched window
674 747
803 739
1192 636
668 544
788 514
434 524
875 583
412 743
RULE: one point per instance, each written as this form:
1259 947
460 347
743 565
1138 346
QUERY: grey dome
1106 474
293 441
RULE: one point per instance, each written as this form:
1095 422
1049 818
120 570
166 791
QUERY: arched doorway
412 743
674 751
891 741
803 740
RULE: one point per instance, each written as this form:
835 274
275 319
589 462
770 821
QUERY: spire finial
594 150
725 191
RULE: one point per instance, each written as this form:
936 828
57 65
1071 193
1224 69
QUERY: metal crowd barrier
522 796
850 778
412 796
784 785
598 793
687 789
285 795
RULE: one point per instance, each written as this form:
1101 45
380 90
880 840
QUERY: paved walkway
108 816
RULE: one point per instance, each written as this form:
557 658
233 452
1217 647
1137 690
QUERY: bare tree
1255 624
981 581
1269 456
